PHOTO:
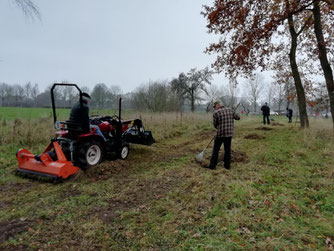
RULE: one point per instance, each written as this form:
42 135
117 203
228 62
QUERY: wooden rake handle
210 142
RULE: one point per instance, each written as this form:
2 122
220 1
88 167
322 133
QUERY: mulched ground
9 229
13 188
140 198
236 157
264 128
254 136
277 124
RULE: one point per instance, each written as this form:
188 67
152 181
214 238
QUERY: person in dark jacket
80 115
223 121
265 112
289 113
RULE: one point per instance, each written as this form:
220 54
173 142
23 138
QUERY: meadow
278 195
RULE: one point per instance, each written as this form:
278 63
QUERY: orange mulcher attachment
44 166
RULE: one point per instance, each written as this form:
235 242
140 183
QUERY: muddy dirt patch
113 211
138 199
236 157
207 135
264 128
239 157
254 136
4 204
70 192
16 248
107 169
13 188
276 124
9 229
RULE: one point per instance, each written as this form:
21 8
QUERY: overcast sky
125 43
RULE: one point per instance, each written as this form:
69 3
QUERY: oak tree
252 32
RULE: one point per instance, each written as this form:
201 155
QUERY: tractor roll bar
120 109
53 100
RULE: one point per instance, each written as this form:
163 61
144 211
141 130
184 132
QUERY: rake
199 156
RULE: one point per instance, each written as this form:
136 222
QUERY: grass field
12 113
278 195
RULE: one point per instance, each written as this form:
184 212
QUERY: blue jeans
98 131
227 151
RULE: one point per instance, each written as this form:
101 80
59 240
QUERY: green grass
160 198
12 113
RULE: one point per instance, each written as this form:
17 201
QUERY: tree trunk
328 73
192 100
304 123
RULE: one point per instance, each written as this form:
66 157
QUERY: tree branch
28 8
305 25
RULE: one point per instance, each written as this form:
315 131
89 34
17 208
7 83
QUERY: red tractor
72 149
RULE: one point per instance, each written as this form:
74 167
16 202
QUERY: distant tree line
159 96
189 91
17 95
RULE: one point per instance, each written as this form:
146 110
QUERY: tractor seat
72 127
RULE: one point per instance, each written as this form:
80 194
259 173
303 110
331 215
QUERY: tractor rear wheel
90 154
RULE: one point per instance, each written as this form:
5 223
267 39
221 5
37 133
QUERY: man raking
223 121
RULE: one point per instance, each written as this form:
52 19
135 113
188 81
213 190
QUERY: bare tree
245 105
231 99
28 8
290 93
9 91
100 95
18 93
85 89
3 87
175 101
279 94
270 92
67 95
34 91
115 92
213 93
192 84
321 99
254 88
152 97
27 89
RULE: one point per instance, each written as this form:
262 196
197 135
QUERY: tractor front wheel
124 151
90 154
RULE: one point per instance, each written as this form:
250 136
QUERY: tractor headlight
57 125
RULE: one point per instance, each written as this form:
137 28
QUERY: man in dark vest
80 115
265 112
